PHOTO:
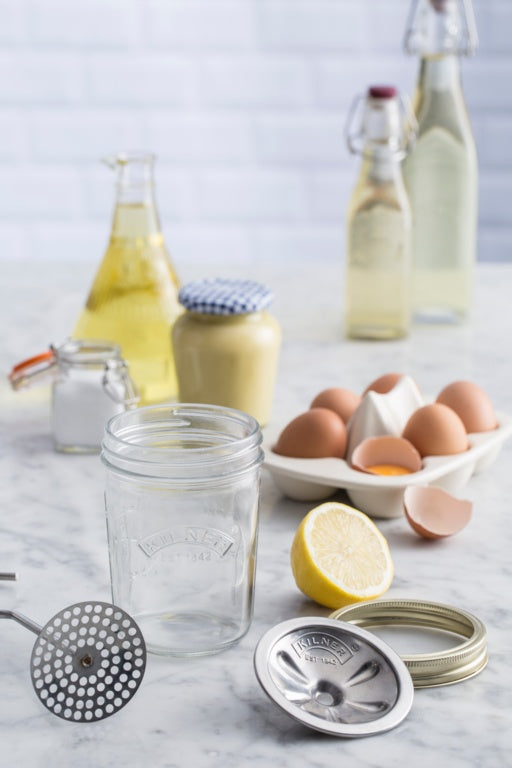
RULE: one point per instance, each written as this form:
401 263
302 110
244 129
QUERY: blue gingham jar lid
220 296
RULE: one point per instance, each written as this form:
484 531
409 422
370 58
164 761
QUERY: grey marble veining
211 711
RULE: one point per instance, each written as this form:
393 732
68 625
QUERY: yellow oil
134 301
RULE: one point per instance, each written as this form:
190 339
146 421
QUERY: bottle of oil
134 297
377 272
441 173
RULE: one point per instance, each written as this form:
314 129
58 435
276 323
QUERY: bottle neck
381 168
135 213
438 27
139 193
135 216
440 73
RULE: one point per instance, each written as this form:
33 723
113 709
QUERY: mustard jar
227 345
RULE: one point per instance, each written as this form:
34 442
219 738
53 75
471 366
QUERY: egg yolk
389 469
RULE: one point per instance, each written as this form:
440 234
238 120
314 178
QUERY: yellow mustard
227 346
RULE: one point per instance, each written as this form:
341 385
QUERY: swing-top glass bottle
441 173
377 265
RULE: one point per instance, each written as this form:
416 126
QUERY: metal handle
119 374
405 142
21 619
58 639
4 576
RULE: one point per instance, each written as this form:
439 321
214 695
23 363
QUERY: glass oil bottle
134 297
441 173
377 271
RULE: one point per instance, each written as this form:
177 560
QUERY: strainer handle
21 619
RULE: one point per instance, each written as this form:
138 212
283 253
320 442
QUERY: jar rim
87 352
182 442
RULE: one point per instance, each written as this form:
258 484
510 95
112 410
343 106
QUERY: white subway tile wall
244 102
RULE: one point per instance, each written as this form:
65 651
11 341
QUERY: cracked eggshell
434 513
383 414
387 450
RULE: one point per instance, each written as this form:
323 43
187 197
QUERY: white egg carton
379 496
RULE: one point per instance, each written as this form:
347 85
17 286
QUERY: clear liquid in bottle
441 172
378 289
377 274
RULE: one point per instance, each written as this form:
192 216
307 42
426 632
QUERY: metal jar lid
428 670
333 677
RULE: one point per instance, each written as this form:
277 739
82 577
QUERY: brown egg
436 430
315 434
471 403
384 383
341 401
434 513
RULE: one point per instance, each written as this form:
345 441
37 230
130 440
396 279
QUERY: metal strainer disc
88 661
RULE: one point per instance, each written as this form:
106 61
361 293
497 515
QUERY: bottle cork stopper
382 91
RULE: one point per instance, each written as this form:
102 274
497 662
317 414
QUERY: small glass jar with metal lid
90 384
226 346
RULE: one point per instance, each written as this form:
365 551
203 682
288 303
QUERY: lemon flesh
339 556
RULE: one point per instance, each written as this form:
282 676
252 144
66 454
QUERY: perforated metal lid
333 677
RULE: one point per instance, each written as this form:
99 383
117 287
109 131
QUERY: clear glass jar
182 501
90 384
227 346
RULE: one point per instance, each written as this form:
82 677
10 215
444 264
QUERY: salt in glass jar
90 384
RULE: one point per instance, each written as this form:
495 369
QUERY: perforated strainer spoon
88 660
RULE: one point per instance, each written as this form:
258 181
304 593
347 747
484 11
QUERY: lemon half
339 556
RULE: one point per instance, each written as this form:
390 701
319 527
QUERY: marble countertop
211 711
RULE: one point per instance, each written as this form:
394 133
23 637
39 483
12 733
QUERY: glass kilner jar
182 501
